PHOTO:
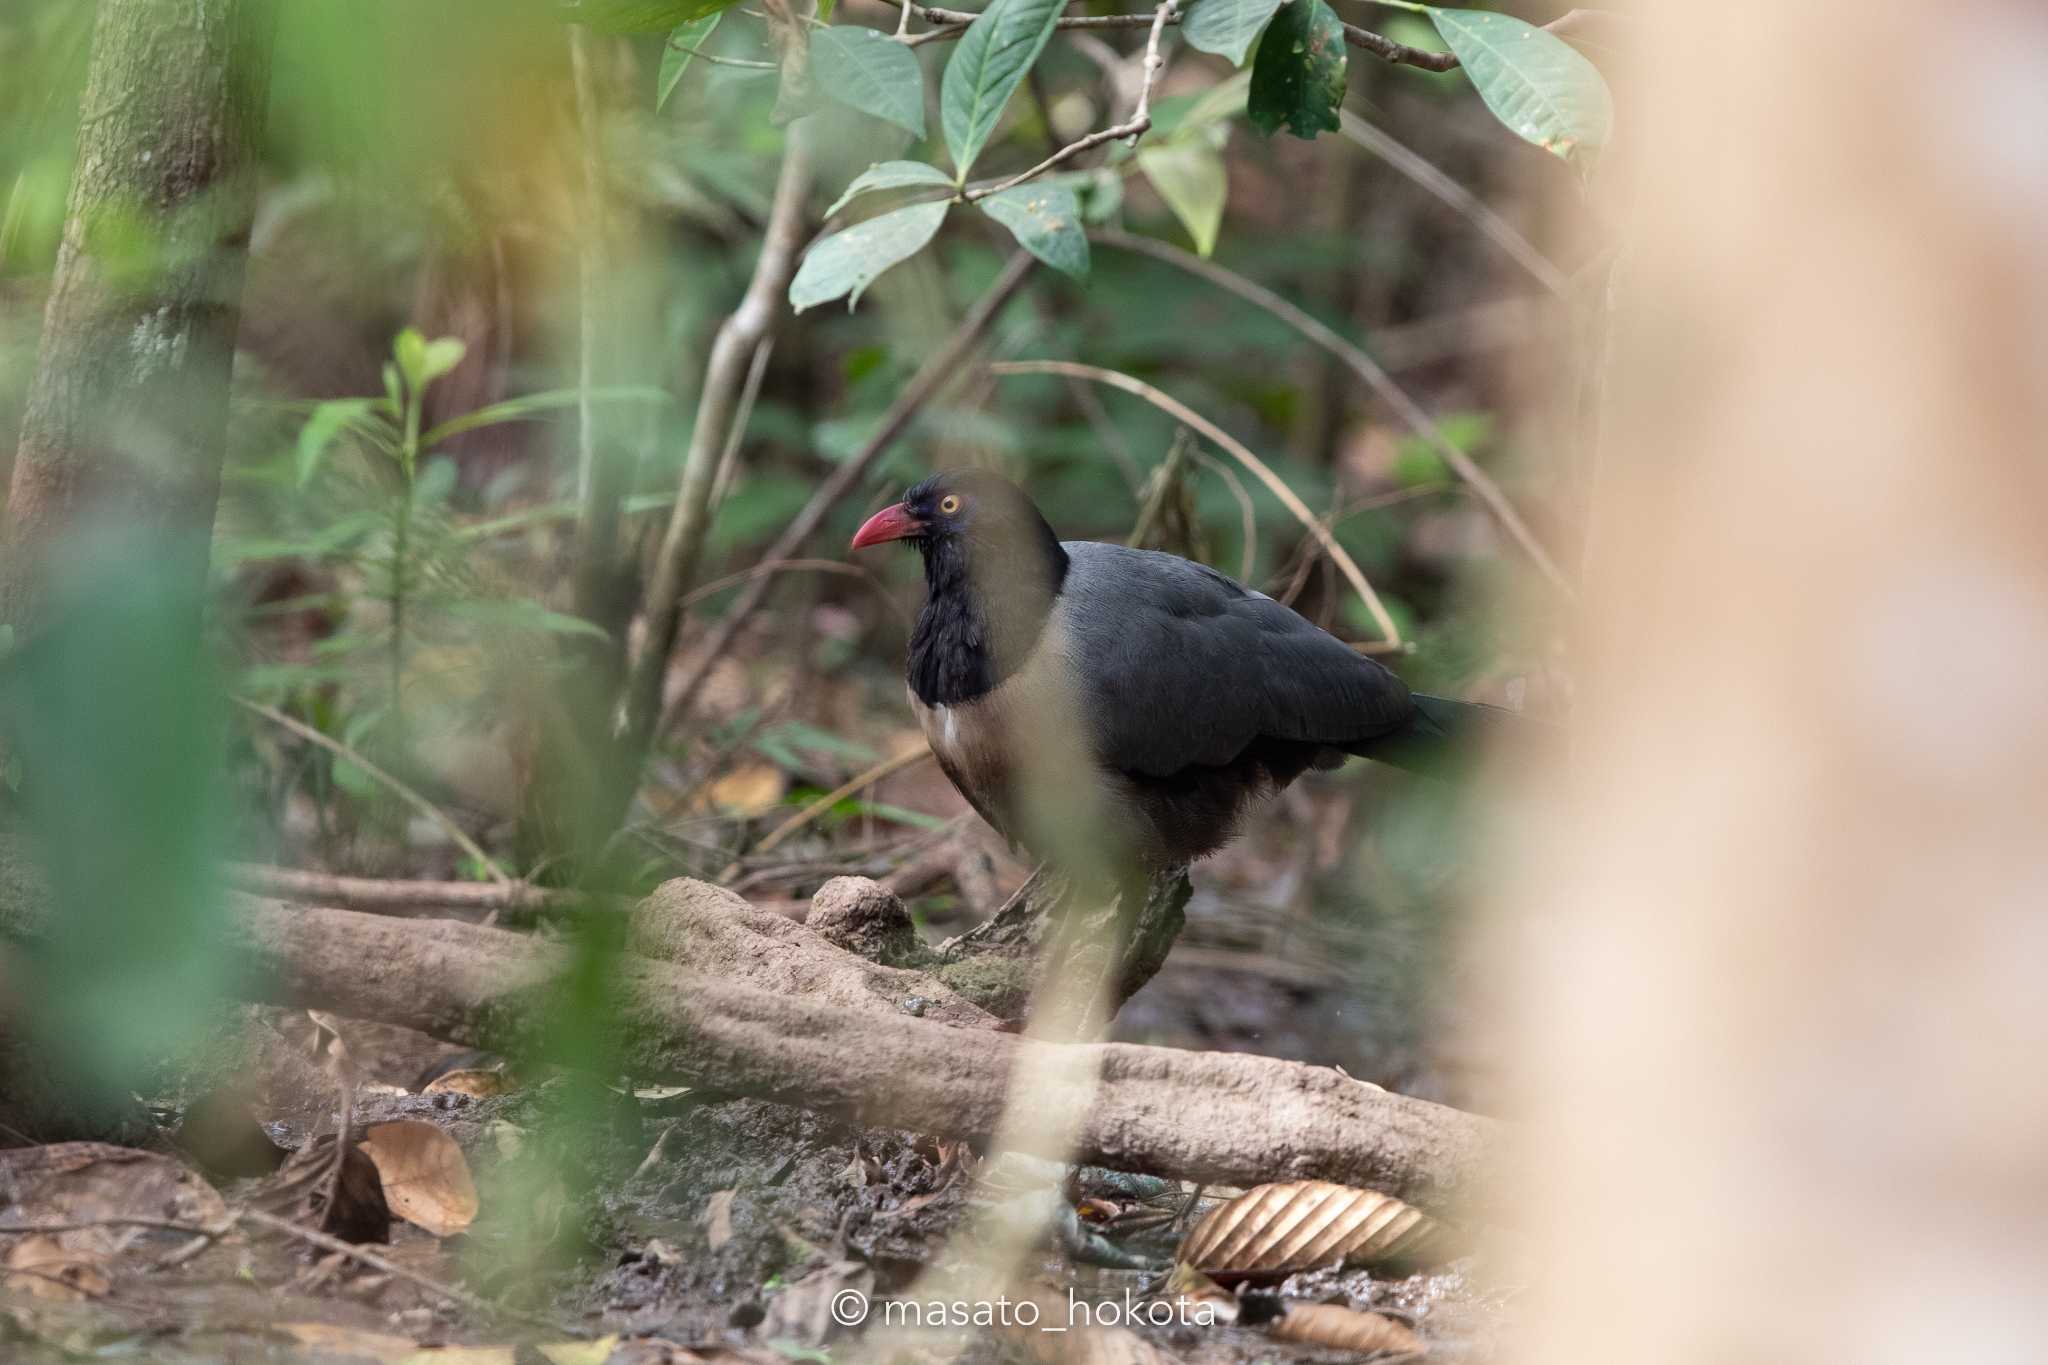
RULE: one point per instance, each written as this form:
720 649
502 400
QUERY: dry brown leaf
461 1355
45 1269
329 1340
718 1218
426 1179
1273 1231
1346 1329
747 790
94 1182
478 1085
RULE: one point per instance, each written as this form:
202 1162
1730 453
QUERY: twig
388 895
949 24
717 405
702 55
941 366
1368 370
1133 127
830 799
1248 516
750 393
1425 173
402 791
331 1243
774 566
1239 451
1162 483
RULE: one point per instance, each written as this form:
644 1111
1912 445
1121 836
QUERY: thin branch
1248 518
814 809
941 366
1180 411
702 55
1133 127
378 895
1376 378
949 24
717 404
397 788
328 1242
1426 174
750 392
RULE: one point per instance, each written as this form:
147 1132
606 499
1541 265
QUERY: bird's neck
981 620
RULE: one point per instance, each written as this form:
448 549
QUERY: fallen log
1215 1117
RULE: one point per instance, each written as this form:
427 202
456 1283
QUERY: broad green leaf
1298 76
328 421
849 261
985 70
683 42
1534 82
871 72
1046 221
891 175
640 16
1226 27
1190 177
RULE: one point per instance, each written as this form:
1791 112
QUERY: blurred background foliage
442 272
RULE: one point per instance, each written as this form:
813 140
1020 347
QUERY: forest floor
581 1222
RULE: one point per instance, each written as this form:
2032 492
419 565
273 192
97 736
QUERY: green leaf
850 260
985 70
640 16
328 421
1046 221
1298 77
891 175
1190 177
871 72
683 42
1226 27
422 361
1534 82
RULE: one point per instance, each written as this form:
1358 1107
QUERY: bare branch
1426 174
948 24
1277 486
724 377
379 895
1363 365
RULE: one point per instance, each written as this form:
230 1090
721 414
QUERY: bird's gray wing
1178 666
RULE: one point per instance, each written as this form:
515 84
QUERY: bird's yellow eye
949 504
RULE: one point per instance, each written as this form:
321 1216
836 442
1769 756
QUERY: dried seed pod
1347 1329
1273 1231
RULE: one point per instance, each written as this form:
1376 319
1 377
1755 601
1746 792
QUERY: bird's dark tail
1444 737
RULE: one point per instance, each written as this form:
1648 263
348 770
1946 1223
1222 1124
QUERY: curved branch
1381 383
1181 412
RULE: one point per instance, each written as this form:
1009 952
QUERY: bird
1159 696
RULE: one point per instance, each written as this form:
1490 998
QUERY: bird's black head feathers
992 569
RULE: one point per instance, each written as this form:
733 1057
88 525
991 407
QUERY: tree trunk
127 411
